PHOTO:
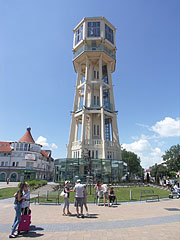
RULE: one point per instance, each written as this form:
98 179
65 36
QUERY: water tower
94 131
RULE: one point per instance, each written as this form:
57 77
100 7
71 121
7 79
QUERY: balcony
110 143
98 48
93 142
88 142
76 144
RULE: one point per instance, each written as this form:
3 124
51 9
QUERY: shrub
34 183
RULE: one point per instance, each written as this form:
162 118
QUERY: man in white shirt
104 188
79 197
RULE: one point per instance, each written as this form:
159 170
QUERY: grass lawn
122 194
7 192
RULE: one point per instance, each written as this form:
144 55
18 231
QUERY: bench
47 197
148 194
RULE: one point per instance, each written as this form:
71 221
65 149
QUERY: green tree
158 171
172 158
133 163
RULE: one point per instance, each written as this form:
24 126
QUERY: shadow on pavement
89 215
172 209
32 232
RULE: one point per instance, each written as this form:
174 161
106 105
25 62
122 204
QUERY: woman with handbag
66 198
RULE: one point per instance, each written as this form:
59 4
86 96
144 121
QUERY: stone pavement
141 221
11 184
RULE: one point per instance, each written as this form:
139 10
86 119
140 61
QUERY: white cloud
43 141
54 146
148 155
168 127
137 146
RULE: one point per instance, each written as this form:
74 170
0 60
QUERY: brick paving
151 220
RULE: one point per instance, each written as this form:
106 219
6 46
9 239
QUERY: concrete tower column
83 129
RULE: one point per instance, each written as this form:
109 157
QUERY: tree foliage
158 171
133 162
172 158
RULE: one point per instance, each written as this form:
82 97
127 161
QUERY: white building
25 160
94 130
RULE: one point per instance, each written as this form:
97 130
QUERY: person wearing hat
66 199
79 197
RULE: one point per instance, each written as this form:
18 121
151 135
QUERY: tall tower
94 128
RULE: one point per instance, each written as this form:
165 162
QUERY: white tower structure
94 128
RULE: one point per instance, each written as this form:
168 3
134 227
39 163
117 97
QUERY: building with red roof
25 159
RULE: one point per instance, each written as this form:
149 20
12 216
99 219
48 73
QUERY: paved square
142 220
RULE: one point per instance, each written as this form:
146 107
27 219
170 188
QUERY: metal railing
100 47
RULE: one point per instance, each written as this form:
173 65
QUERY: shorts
105 194
84 200
78 202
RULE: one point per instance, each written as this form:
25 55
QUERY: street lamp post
86 155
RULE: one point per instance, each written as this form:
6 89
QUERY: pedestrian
26 201
105 193
17 206
66 198
7 180
79 197
85 199
112 196
98 190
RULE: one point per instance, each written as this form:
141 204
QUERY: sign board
30 156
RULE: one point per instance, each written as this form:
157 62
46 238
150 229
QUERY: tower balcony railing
107 106
87 142
93 142
100 47
110 143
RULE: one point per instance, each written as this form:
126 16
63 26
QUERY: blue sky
37 78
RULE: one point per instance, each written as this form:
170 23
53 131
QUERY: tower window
93 29
96 74
94 100
94 129
97 130
98 102
109 34
79 34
